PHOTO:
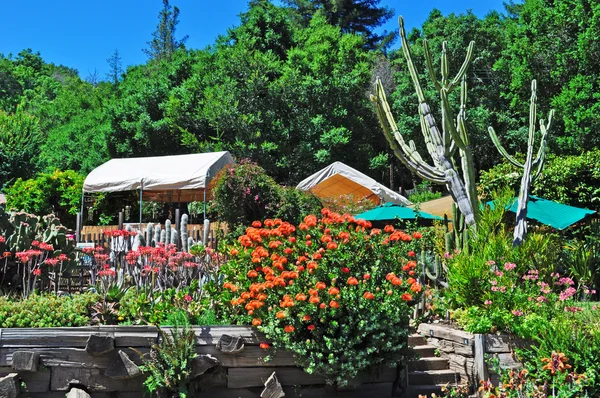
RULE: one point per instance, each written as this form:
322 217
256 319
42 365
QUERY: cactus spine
440 145
168 232
184 232
530 163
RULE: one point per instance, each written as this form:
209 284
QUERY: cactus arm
429 64
463 69
501 149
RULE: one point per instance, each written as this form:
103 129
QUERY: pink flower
499 273
37 272
491 262
567 293
488 302
517 312
187 298
509 266
542 299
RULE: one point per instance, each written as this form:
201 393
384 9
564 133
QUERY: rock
25 361
9 386
273 388
202 363
230 344
123 368
98 345
78 393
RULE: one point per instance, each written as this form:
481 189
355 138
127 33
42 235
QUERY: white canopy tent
340 179
181 177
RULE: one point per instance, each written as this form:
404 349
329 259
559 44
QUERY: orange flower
333 291
289 329
314 300
256 224
366 277
334 304
280 315
252 274
256 322
556 363
416 287
390 276
234 252
265 346
332 246
396 281
406 297
417 235
352 281
313 292
287 251
306 318
388 228
410 281
320 285
300 297
322 305
369 295
317 256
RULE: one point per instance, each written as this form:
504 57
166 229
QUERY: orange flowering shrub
332 290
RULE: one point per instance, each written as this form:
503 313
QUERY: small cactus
163 236
157 234
168 232
149 234
174 236
184 232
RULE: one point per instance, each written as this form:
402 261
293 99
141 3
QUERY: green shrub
58 193
332 291
572 180
244 193
423 193
48 310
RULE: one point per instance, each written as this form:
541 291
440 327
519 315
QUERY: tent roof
554 214
439 207
340 179
392 211
188 174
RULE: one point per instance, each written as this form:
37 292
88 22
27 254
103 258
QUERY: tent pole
141 201
80 218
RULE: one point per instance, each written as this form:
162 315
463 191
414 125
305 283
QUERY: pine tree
164 43
115 71
352 16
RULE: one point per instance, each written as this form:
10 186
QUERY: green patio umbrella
392 211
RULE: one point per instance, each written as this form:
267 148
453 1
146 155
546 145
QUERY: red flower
411 253
256 322
320 285
322 305
416 287
334 304
252 274
388 228
314 300
289 329
187 298
345 270
332 246
306 318
280 315
333 291
369 295
300 297
417 235
256 224
37 272
311 327
353 281
234 252
265 346
366 277
406 297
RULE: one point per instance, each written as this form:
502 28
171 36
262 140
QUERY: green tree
164 42
115 68
352 16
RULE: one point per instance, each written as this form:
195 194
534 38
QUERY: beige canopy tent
438 207
340 179
182 178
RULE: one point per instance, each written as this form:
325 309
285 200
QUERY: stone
98 345
230 344
273 388
202 363
123 368
28 361
78 393
9 386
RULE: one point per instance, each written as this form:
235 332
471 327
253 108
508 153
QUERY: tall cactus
530 163
168 232
149 234
440 145
184 232
157 234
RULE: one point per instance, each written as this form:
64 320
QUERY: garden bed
67 359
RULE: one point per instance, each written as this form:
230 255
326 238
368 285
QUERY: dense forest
289 88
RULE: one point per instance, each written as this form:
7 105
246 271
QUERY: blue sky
82 34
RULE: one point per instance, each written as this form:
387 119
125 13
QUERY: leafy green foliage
423 193
46 311
169 364
244 193
58 192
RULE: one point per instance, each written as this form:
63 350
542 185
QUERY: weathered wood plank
93 379
481 370
252 356
256 377
291 376
36 381
447 333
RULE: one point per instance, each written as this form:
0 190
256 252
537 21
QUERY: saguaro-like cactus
149 234
184 232
530 163
168 232
440 145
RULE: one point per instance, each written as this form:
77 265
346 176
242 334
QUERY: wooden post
121 219
481 371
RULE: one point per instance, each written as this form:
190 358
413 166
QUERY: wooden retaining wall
468 354
64 363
